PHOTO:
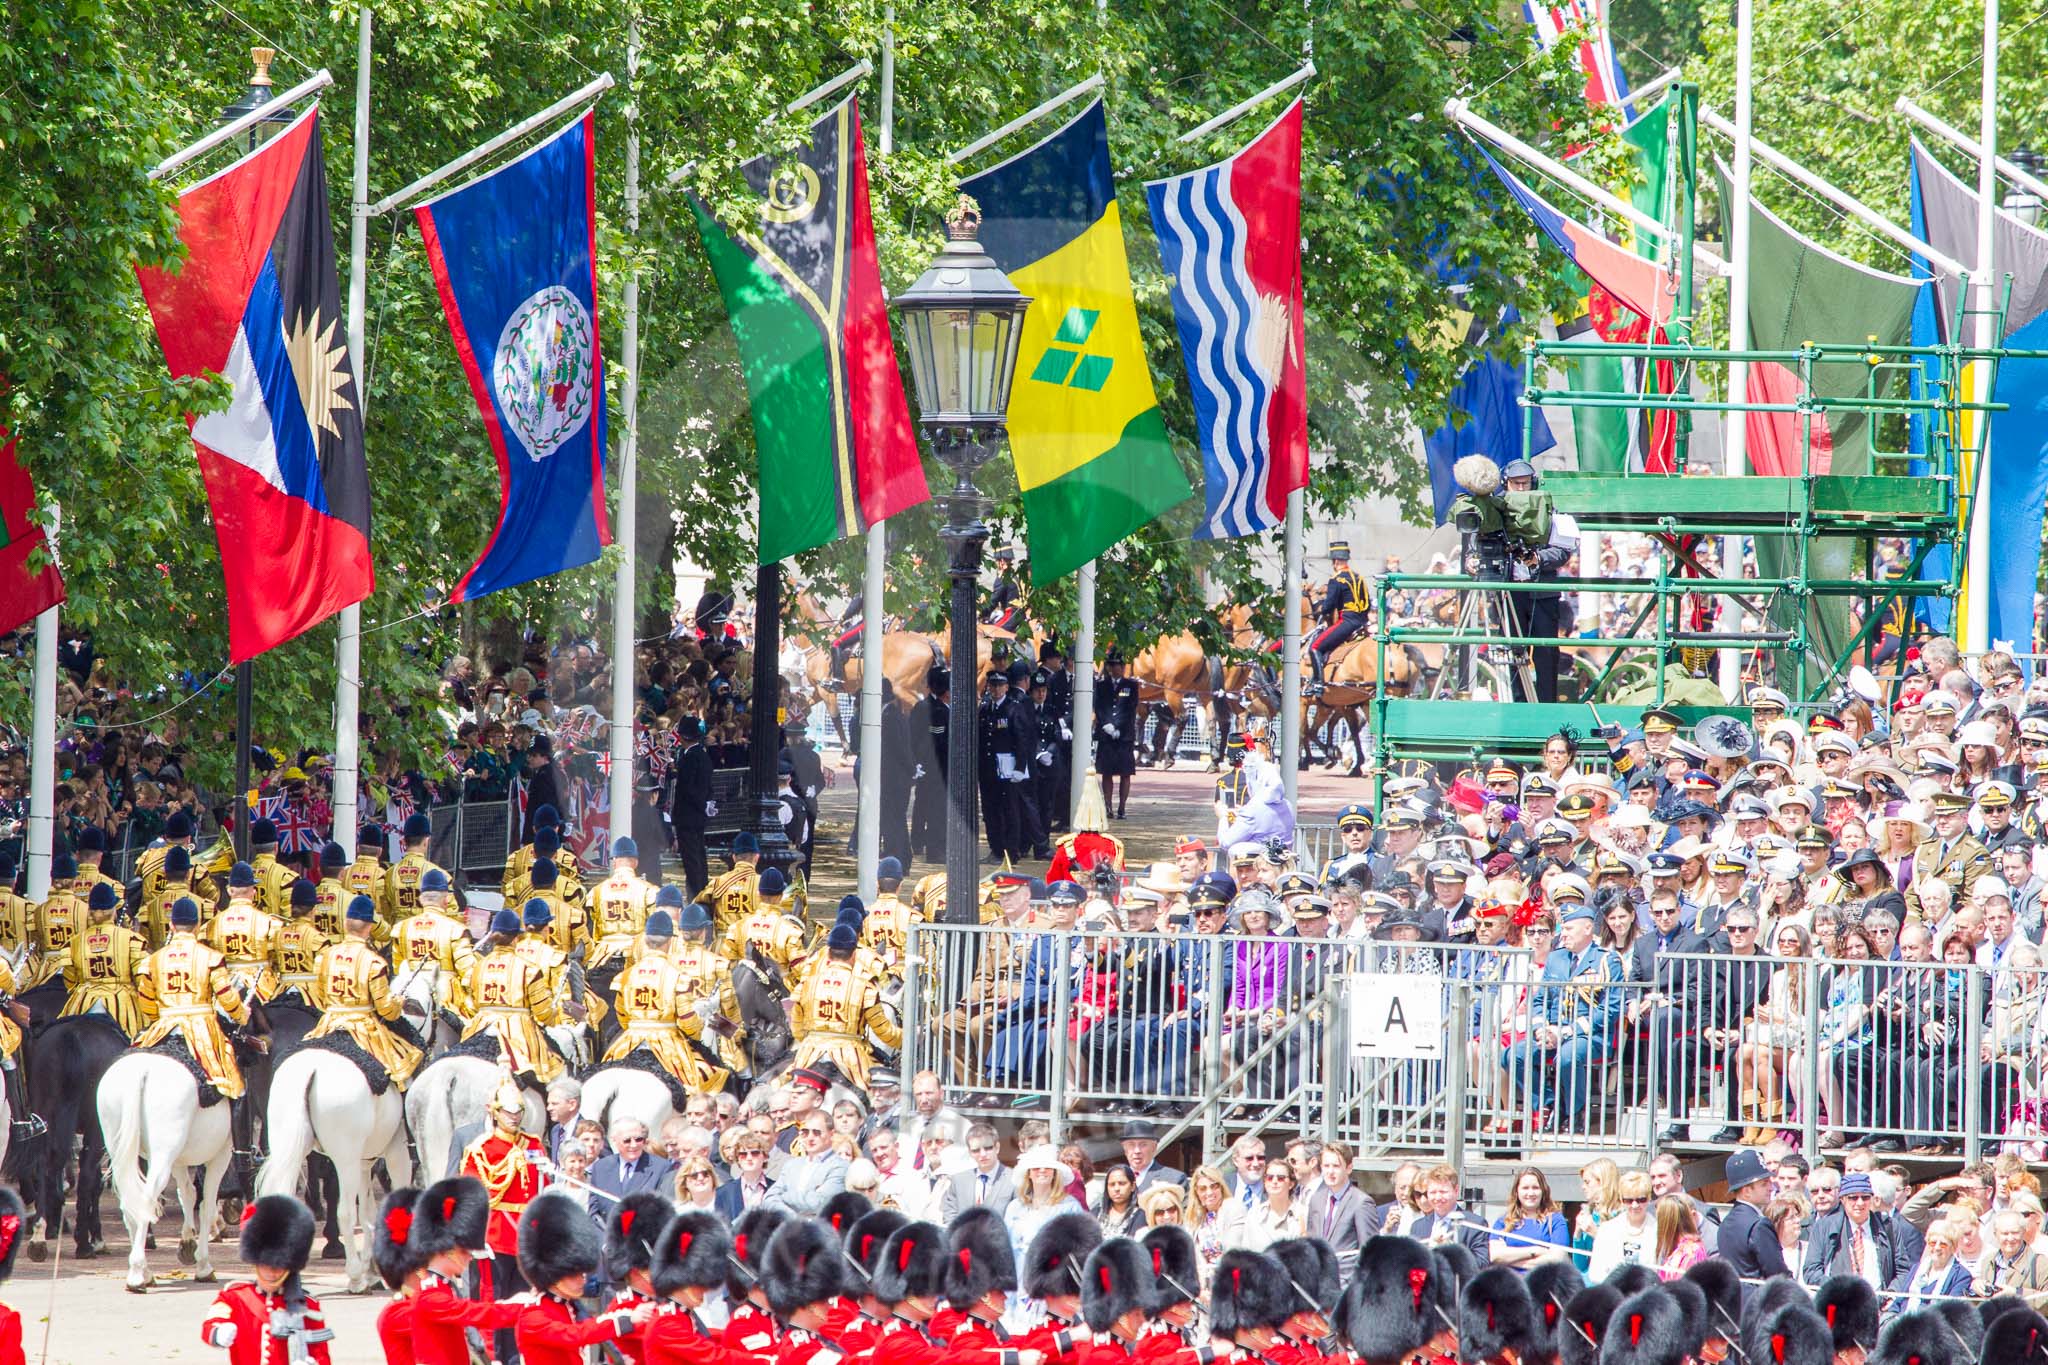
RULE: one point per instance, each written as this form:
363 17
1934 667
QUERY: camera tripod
1485 610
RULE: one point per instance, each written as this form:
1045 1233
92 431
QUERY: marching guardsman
91 849
174 879
513 999
449 1225
502 1161
399 897
298 945
618 912
770 927
909 1277
184 988
398 1265
1314 1285
1345 610
17 916
149 864
887 928
243 932
1248 1300
837 1006
730 896
558 1250
981 1274
431 940
657 1013
803 1272
860 1332
691 1260
1170 1300
351 987
271 1320
1052 1274
59 919
632 1231
273 879
1400 1306
514 886
105 962
1113 1287
331 894
752 1328
13 1223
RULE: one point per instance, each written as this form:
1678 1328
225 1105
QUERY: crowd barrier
1230 1034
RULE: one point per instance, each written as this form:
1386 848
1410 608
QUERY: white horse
448 1093
616 1092
320 1101
149 1110
414 988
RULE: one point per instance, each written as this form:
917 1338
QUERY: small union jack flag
298 830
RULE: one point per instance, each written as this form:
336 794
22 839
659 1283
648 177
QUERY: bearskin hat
1585 1324
277 1231
1692 1302
864 1242
1849 1306
1456 1263
843 1210
1996 1307
450 1215
1053 1265
750 1238
1793 1335
1496 1316
978 1259
1780 1291
912 1264
1396 1301
2017 1338
1629 1280
1647 1329
691 1250
803 1266
1314 1280
1551 1285
1723 1288
1963 1320
556 1240
1249 1291
1176 1275
1115 1281
391 1247
630 1232
13 1222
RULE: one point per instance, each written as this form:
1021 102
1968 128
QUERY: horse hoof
88 1250
333 1251
149 1241
139 1286
188 1251
206 1276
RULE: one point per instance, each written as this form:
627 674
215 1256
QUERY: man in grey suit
629 1168
1141 1153
1247 1178
814 1172
1338 1211
987 1185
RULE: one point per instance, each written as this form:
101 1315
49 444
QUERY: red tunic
510 1179
983 1343
440 1313
633 1348
1106 1350
1054 1338
857 1335
799 1347
676 1337
751 1332
903 1342
1161 1343
944 1323
1286 1352
394 1332
10 1337
549 1334
249 1309
1087 850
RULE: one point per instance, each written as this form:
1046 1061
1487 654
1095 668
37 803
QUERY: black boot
25 1124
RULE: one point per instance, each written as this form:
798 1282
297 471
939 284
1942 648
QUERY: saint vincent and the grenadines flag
803 292
1094 462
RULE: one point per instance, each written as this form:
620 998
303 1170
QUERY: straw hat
1163 878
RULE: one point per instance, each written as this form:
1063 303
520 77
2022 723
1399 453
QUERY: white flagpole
319 80
1969 146
1083 664
1978 562
588 92
348 643
42 772
1736 441
1290 650
625 673
873 591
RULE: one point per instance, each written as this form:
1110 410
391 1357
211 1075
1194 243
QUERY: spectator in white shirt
1630 1239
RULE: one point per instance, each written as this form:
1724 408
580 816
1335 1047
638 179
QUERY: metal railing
1230 1034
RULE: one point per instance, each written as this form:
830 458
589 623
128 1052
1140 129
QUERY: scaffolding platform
1716 504
1452 731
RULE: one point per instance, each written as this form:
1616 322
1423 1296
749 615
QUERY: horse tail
124 1145
288 1124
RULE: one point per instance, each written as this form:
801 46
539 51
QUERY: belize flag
258 304
514 257
1230 237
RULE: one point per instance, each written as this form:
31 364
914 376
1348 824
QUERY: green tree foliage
100 89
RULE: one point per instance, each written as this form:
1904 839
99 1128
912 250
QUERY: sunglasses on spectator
980 1147
1635 1199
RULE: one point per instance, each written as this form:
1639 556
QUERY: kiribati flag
258 304
1230 237
515 259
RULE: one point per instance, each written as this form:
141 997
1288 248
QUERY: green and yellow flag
1093 457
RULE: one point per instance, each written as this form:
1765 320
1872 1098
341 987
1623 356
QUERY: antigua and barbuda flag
1230 238
514 257
257 303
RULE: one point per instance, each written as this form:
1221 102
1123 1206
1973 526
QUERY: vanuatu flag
1093 458
803 291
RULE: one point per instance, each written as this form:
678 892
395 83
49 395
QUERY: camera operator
1542 614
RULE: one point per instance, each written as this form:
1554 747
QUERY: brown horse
1351 681
1174 668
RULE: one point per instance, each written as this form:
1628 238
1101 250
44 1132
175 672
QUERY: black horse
65 1061
759 986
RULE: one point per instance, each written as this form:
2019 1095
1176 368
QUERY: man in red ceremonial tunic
1248 1300
1170 1307
1399 1305
1313 1287
502 1160
863 1241
1497 1322
449 1223
1052 1275
272 1320
908 1277
558 1248
392 1252
980 1273
630 1233
1114 1283
13 1222
802 1273
692 1263
753 1329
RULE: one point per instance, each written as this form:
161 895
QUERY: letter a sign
1397 1016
